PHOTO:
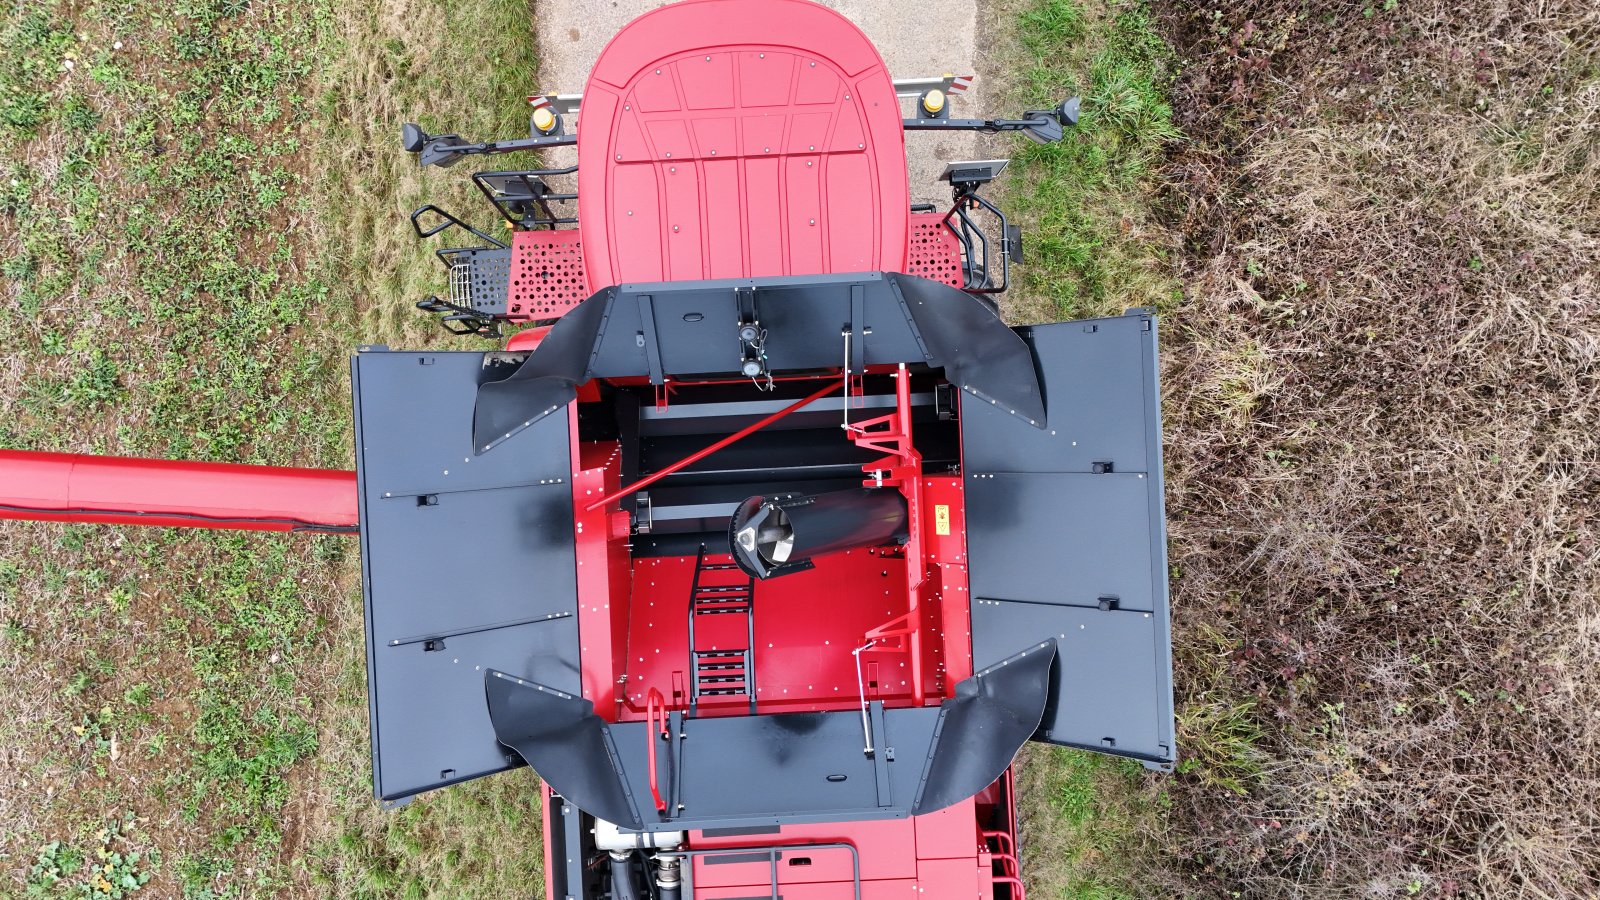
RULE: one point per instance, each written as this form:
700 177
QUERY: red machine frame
727 140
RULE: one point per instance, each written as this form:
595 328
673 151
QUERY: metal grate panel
461 284
547 276
478 279
935 253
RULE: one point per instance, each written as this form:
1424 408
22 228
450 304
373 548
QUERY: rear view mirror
412 137
1045 126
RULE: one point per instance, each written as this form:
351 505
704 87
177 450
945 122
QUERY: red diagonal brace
693 458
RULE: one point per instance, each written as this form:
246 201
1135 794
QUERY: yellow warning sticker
941 519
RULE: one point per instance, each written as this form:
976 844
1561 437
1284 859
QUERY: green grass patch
441 70
1084 820
203 209
1085 202
1086 207
163 300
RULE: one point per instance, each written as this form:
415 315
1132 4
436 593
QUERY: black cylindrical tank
776 535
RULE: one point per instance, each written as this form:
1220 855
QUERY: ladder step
723 674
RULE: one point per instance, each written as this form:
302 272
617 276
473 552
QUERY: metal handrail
1000 838
1018 892
655 704
772 851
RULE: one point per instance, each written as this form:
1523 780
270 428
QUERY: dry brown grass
1382 441
461 68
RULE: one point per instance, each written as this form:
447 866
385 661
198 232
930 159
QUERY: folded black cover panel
1066 536
689 328
467 563
776 769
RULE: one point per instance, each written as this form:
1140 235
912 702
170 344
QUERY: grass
203 207
1379 400
429 63
1379 434
1372 229
1094 247
1085 203
208 215
1082 818
157 309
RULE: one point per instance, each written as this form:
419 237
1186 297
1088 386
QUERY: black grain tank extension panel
1066 536
686 328
468 565
787 769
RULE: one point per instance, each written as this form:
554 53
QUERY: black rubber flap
567 740
547 380
977 350
991 716
794 768
688 328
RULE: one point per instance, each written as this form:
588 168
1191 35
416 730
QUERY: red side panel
740 138
602 570
527 339
945 529
939 856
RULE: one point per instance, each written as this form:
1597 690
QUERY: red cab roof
740 138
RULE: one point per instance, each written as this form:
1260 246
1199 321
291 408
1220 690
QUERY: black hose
622 887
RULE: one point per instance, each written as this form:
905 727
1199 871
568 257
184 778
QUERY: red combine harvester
779 543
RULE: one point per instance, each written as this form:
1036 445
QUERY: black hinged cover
1066 536
467 563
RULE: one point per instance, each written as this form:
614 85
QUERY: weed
96 382
16 635
1220 741
116 871
54 864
